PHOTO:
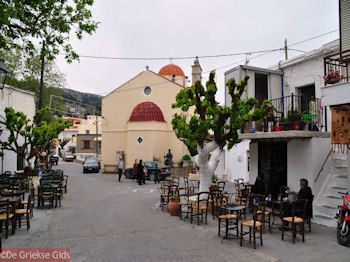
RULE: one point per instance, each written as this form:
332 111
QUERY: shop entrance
273 165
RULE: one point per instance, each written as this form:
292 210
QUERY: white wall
236 161
21 101
299 162
305 159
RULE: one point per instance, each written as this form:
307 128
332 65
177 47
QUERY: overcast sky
164 28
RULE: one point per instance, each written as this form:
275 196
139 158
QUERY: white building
21 101
284 157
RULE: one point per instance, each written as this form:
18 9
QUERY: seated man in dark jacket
258 188
259 185
305 192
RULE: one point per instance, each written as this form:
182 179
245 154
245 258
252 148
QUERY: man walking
120 165
139 172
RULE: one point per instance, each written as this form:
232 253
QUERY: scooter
343 217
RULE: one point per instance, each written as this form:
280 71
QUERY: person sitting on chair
305 192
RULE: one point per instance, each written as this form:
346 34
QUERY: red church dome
171 69
146 111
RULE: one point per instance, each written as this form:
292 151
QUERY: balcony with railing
297 114
336 90
336 68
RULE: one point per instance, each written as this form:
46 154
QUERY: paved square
102 219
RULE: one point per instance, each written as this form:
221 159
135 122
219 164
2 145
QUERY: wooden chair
46 195
267 215
213 193
221 185
228 221
255 225
184 203
298 208
165 195
242 200
25 202
200 208
220 204
6 217
308 217
187 185
25 211
175 180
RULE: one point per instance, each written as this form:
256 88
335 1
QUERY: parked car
163 171
53 159
91 165
68 156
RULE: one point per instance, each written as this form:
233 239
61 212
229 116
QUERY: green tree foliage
26 138
212 121
24 73
24 23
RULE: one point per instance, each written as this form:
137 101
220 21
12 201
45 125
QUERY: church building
138 114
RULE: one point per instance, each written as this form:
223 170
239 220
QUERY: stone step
325 220
333 197
324 209
329 206
339 163
338 156
340 176
344 188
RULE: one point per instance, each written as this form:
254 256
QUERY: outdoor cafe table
9 193
276 210
13 201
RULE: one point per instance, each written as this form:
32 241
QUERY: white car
68 156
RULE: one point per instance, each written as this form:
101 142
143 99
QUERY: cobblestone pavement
102 219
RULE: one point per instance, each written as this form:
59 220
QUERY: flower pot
186 163
174 208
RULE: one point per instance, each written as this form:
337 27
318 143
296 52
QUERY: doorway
307 94
272 164
261 88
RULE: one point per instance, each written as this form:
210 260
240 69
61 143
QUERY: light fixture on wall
3 73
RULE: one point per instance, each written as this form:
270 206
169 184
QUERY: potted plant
283 124
214 179
181 163
186 159
332 77
173 206
294 115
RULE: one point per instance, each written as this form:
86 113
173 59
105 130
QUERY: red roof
146 111
171 69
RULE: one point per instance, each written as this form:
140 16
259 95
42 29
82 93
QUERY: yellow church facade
137 118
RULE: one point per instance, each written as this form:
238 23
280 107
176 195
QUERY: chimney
196 71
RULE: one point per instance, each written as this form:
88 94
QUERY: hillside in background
84 98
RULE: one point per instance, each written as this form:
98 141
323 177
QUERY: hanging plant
332 77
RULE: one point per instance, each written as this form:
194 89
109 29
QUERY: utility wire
203 56
260 53
314 37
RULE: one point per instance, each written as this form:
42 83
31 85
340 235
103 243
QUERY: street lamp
3 73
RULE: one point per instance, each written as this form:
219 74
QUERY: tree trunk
207 166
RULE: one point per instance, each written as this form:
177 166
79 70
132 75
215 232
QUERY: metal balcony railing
336 67
293 113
